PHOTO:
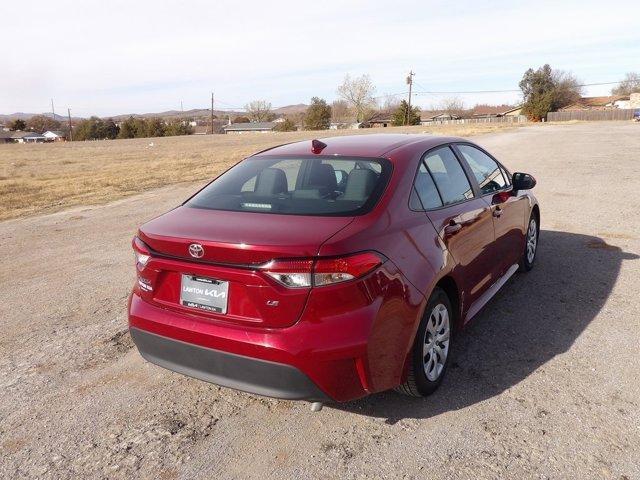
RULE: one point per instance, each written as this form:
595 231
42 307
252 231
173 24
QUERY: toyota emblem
196 250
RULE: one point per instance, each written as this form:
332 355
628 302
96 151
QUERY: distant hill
291 109
195 113
167 115
26 116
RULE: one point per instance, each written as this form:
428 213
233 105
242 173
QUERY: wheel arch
450 287
536 211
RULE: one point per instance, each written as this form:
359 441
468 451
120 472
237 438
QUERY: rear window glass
340 186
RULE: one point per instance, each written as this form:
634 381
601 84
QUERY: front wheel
530 246
431 348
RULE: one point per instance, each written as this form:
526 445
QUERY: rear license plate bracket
202 293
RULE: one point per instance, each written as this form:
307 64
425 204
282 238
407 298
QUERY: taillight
322 271
141 251
341 269
290 273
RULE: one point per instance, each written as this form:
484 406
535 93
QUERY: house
54 136
439 117
6 137
599 103
205 129
28 137
249 127
514 112
491 111
378 122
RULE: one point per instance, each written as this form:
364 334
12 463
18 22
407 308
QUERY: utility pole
53 110
181 107
211 113
410 83
70 131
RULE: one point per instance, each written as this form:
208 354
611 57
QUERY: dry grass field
50 177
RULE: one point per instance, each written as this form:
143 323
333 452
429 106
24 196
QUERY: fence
460 121
617 114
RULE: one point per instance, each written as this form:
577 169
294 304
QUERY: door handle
451 229
497 211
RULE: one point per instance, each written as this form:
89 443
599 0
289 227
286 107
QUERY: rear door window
340 186
451 182
487 172
425 195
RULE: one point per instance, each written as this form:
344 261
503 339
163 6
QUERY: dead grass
50 177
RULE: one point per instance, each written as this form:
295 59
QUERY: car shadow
535 317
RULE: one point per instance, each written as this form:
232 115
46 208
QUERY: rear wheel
431 348
530 246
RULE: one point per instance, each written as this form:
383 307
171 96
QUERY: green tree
177 128
17 125
95 128
241 119
154 127
287 126
630 84
42 123
545 90
133 127
108 129
318 115
399 116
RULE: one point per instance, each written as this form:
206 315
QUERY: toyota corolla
329 270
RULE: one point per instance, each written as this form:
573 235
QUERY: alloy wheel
532 241
436 342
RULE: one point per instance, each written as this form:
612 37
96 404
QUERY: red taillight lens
323 271
141 251
341 269
290 273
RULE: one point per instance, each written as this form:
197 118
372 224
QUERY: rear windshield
340 186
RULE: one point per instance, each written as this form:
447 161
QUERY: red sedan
329 270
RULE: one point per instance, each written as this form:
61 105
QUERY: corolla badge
196 250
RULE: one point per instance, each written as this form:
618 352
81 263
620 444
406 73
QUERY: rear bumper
227 369
307 361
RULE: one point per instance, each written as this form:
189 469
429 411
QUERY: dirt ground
544 384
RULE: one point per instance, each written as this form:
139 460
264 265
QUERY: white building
54 136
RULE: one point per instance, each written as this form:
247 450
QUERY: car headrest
360 183
322 175
271 181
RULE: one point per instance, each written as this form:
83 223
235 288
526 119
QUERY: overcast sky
114 57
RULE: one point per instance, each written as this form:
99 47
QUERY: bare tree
454 106
358 93
341 112
259 111
567 88
630 84
390 104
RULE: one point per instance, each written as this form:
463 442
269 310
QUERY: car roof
365 145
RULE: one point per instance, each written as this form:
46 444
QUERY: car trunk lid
234 245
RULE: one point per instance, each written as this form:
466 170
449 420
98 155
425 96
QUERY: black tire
417 383
526 264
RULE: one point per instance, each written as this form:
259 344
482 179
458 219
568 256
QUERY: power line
450 92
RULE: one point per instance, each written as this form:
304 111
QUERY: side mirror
523 181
